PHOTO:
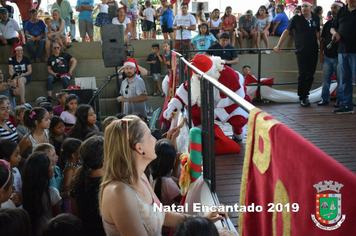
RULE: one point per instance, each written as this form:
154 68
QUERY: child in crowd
70 153
15 222
49 108
57 179
10 152
155 59
215 23
103 17
198 226
6 183
57 110
167 56
37 121
203 40
86 119
7 129
59 38
57 135
108 121
63 225
19 112
86 185
149 13
68 115
11 118
39 199
164 184
132 7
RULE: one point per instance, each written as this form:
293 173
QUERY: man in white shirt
9 29
271 8
184 23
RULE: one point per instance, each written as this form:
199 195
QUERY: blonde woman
126 199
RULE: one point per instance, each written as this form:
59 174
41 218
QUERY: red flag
301 190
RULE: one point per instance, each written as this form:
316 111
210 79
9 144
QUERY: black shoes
304 102
338 104
323 102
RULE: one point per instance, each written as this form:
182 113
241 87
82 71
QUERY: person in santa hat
133 90
306 28
225 110
20 67
328 57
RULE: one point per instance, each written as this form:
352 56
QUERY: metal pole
211 132
189 98
259 75
205 131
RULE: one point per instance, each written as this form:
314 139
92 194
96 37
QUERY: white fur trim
18 47
338 4
306 3
175 103
224 116
129 63
182 94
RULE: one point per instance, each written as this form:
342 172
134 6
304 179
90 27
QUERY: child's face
72 105
5 195
48 22
20 116
91 116
45 122
15 158
155 50
104 1
52 156
166 47
58 129
62 100
203 30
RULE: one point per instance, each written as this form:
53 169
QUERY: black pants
307 62
11 41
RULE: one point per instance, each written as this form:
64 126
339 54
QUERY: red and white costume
225 109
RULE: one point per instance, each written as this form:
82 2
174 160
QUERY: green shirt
64 10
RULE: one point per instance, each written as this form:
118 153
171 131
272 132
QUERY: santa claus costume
225 109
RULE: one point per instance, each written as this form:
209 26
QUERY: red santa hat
202 62
338 3
15 47
131 62
307 2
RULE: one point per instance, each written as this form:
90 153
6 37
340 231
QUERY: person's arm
30 37
159 57
15 89
24 144
139 98
128 27
11 69
95 10
60 30
322 48
143 71
268 24
38 4
140 13
51 72
73 63
233 61
88 8
68 175
277 49
21 37
29 71
56 209
220 26
275 24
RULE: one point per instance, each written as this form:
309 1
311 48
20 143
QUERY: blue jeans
331 67
51 80
347 63
40 49
71 29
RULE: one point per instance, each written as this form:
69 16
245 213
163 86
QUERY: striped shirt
5 134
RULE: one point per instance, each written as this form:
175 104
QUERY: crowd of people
63 172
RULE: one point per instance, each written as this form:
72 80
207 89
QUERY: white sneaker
268 52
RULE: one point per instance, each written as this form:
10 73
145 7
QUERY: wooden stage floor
334 134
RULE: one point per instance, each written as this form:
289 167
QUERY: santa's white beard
195 86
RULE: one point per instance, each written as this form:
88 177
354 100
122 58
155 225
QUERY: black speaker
85 95
113 45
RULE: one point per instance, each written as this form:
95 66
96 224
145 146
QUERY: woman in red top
229 24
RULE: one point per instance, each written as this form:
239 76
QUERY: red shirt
24 6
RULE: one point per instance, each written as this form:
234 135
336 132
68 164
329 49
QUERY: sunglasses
55 47
127 89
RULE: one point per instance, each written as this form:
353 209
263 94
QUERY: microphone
330 44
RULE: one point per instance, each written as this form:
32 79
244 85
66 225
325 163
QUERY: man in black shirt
344 32
230 56
306 33
328 57
60 66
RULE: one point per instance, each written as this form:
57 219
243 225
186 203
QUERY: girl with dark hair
197 226
203 40
200 13
318 10
15 222
39 199
70 154
68 115
37 120
164 184
86 119
215 23
10 152
264 23
62 96
63 225
6 182
57 134
229 24
86 185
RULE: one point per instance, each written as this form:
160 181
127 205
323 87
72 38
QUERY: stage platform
334 134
